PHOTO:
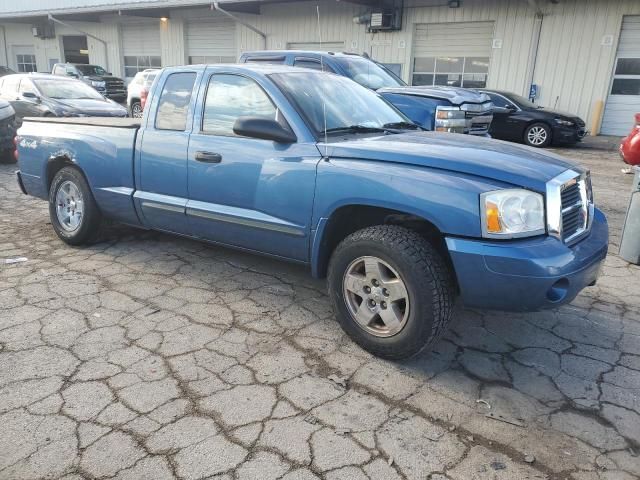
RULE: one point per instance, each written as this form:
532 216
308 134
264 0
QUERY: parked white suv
138 89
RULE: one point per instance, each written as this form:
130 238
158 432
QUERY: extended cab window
230 97
174 101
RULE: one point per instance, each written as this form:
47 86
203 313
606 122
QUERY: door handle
208 157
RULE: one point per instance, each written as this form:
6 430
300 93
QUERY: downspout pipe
72 27
216 6
535 43
4 42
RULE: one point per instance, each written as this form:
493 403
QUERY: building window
27 63
206 60
468 72
133 65
626 80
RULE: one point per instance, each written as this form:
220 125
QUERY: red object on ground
630 146
143 97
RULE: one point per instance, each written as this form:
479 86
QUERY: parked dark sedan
41 95
517 119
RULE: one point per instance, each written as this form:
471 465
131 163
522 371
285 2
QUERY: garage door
211 41
141 47
624 96
454 54
317 46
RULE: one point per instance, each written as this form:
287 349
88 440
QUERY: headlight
512 213
97 84
565 123
450 119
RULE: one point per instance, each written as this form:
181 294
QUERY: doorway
75 49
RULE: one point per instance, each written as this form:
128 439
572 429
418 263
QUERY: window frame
202 131
434 71
616 76
33 63
193 94
137 65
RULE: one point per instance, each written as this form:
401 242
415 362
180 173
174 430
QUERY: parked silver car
138 89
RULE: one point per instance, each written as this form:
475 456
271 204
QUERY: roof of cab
263 68
302 53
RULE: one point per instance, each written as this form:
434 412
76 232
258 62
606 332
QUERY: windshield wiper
356 129
402 126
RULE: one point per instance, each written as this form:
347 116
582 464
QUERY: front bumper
527 275
574 134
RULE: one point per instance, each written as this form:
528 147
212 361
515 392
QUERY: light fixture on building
163 19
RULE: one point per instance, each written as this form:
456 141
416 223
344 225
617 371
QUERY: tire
538 135
136 109
85 220
401 254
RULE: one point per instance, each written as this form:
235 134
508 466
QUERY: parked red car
630 146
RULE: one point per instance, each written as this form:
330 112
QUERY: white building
584 55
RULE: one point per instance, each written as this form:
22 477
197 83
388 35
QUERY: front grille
479 117
114 87
575 199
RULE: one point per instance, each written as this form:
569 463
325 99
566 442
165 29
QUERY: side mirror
263 128
31 96
71 74
504 110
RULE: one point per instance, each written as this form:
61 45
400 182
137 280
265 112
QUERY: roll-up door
624 96
454 54
141 47
211 40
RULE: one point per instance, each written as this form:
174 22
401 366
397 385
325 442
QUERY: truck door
247 192
161 174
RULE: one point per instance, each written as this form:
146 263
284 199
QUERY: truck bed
115 122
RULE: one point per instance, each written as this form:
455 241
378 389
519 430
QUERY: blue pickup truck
313 168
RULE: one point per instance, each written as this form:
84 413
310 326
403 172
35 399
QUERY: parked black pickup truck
96 76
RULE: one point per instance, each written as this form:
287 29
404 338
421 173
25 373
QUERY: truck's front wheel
391 290
74 214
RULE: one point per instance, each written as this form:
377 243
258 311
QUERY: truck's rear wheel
391 290
74 214
136 109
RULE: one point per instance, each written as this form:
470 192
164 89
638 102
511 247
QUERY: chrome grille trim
570 206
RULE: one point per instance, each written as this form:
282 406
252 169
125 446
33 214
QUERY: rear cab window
175 99
313 64
266 60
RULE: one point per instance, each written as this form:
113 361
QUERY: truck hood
482 157
455 95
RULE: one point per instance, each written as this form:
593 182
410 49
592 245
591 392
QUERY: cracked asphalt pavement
147 356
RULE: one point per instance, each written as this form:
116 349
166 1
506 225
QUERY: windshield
344 103
66 89
368 73
91 70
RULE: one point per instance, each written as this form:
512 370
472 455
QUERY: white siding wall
573 70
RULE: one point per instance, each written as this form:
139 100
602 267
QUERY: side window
26 86
499 101
313 64
174 101
10 85
230 97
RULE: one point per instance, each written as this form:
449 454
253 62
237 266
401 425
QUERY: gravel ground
151 357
